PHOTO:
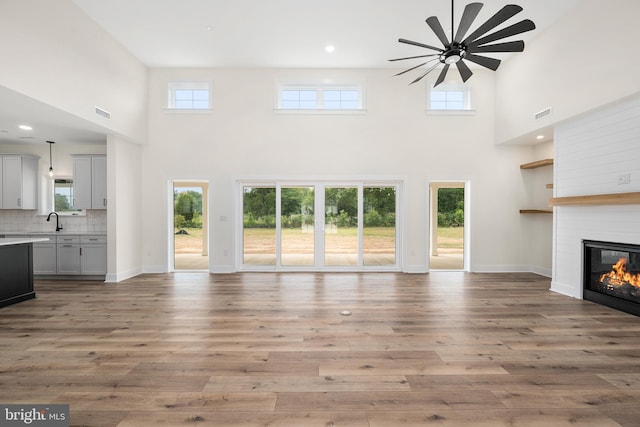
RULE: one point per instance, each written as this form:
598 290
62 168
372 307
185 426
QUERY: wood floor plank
387 401
257 349
493 418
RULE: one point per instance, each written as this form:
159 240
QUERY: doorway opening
190 226
449 229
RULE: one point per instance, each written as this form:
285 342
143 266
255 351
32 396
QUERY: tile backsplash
95 221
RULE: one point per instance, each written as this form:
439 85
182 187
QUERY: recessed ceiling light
25 127
330 48
209 27
540 137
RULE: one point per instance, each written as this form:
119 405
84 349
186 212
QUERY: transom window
450 97
189 96
320 97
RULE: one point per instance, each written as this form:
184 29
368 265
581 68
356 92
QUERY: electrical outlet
624 179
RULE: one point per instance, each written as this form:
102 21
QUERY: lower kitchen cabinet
45 256
93 255
71 255
68 252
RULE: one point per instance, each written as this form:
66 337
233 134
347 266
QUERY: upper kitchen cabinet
89 182
19 181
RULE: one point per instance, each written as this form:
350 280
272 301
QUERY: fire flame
620 276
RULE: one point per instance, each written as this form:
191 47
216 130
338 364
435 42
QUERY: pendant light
50 161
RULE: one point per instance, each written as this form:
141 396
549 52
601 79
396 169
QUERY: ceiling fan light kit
460 48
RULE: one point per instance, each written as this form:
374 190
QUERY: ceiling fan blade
412 68
517 46
426 46
433 67
468 16
464 70
434 24
512 30
413 57
443 75
490 63
501 16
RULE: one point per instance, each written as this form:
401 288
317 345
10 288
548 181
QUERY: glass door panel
341 237
379 229
259 225
297 236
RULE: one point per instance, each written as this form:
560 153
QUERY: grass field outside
262 240
451 237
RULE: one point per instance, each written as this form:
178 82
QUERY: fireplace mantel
597 199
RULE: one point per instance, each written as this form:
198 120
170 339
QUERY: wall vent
544 113
103 113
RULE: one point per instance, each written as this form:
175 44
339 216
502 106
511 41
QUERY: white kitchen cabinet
90 182
68 254
99 182
81 255
19 182
44 256
93 255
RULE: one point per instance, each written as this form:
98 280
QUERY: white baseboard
223 269
120 276
564 289
415 269
542 271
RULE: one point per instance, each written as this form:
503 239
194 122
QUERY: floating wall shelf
597 199
537 164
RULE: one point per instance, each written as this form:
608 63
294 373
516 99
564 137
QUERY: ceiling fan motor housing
453 54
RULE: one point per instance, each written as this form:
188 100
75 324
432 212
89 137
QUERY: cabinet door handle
19 202
80 251
104 202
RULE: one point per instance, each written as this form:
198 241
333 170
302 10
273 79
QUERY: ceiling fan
460 48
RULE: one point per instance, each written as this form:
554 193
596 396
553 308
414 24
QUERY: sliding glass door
318 226
341 232
297 231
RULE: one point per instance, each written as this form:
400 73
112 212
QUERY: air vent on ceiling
26 137
103 113
544 113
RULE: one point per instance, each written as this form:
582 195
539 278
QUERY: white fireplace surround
592 153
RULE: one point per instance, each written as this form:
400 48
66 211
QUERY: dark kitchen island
16 269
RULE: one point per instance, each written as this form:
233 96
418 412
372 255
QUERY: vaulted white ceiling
290 33
260 33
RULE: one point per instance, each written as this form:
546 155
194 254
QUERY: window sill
188 110
451 112
358 111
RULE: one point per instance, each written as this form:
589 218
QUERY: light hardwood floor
272 349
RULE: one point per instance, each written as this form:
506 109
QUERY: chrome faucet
58 226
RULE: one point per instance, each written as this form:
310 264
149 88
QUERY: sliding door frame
319 186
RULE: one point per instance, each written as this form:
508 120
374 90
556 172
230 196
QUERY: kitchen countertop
53 232
7 241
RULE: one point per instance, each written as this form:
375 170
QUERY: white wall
584 61
53 52
591 152
124 247
244 137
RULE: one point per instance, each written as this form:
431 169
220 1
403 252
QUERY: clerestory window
189 95
320 97
450 97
